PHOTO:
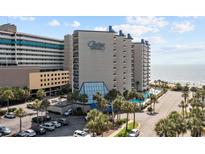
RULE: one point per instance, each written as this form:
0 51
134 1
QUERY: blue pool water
146 96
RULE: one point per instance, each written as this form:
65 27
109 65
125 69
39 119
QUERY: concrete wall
16 76
68 55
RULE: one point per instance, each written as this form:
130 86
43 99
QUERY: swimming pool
146 96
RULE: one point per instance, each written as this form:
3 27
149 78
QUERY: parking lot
75 122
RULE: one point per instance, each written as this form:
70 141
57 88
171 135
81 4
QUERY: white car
134 133
69 112
80 133
49 126
30 133
56 123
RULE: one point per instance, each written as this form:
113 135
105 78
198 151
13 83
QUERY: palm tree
117 104
183 105
127 108
165 128
196 126
135 109
102 103
7 96
45 104
40 94
185 95
97 122
83 98
179 124
153 100
37 107
20 113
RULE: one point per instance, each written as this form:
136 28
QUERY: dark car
63 121
39 130
10 115
5 130
21 134
41 119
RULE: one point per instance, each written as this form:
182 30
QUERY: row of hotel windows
46 56
54 79
54 74
54 83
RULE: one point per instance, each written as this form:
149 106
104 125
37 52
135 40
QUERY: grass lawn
124 133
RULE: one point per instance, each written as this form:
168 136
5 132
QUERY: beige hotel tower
104 60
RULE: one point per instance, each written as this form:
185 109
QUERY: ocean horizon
193 74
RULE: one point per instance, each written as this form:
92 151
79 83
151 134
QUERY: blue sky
174 40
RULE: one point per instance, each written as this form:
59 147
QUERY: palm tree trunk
8 106
20 124
127 121
134 120
37 118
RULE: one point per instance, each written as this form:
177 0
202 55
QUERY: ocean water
192 74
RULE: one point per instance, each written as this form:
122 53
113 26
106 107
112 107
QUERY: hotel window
58 73
41 80
41 75
44 79
48 79
52 83
55 74
41 85
44 84
58 78
47 74
52 79
55 78
44 75
48 84
51 74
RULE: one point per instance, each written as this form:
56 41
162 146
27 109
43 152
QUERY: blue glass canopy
91 88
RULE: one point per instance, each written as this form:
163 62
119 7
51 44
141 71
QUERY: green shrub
119 122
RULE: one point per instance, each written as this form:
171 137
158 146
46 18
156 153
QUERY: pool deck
167 103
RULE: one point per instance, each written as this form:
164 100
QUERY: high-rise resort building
32 61
105 60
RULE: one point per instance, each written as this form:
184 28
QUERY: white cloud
73 24
147 21
100 28
54 23
155 39
23 18
182 27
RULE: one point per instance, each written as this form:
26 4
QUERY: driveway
167 103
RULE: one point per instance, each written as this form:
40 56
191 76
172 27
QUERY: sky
174 39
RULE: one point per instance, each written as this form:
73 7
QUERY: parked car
30 132
1 134
10 115
63 121
69 112
86 118
21 134
48 126
41 119
39 130
5 130
80 133
134 133
57 124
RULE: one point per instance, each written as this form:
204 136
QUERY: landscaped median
121 132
